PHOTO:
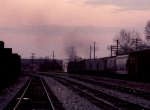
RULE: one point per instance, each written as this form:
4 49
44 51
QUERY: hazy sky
41 26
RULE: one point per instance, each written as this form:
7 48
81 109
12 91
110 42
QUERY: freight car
133 65
9 66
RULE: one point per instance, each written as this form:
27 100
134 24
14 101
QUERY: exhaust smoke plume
77 43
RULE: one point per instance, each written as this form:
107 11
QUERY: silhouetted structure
10 65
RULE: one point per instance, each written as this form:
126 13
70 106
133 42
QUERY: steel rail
111 106
127 90
62 80
22 95
53 108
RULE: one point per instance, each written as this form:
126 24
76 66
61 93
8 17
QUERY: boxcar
139 63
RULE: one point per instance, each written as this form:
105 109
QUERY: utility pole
94 49
114 48
53 62
53 55
111 50
136 42
32 63
117 47
72 56
90 51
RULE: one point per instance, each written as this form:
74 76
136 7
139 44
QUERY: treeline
50 65
127 41
42 65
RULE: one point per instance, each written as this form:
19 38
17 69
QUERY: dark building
10 65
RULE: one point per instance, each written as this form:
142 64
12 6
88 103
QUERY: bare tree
147 30
128 41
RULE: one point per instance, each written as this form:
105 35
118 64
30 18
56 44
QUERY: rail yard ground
77 92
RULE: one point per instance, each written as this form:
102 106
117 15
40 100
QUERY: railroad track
127 90
36 95
99 98
131 91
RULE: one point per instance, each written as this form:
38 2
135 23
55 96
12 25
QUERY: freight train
10 66
134 65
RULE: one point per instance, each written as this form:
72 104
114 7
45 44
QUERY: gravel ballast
8 93
70 100
123 96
